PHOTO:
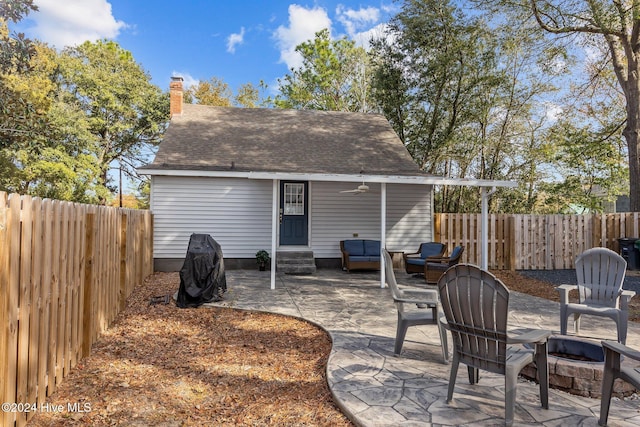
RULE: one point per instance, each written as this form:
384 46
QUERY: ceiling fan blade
360 189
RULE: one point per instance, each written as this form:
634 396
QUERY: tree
20 112
210 92
334 76
55 160
124 113
614 23
248 96
445 94
217 93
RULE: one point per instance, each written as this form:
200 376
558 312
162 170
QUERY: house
284 180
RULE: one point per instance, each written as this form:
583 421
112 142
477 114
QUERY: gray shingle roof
290 141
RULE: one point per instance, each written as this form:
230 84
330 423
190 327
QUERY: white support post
275 221
383 231
484 218
484 260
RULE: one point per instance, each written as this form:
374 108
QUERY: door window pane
293 198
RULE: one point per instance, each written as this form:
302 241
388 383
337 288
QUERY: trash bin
629 251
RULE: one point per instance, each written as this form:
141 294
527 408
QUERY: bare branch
550 24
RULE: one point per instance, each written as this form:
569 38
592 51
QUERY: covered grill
202 277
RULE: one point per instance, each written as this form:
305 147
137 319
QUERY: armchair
435 267
414 261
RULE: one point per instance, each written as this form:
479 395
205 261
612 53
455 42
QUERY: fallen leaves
162 365
539 288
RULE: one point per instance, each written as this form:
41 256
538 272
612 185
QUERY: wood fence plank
88 313
76 317
68 289
36 308
4 279
124 285
62 293
24 306
46 285
13 292
54 310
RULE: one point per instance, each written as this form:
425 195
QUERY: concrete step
298 262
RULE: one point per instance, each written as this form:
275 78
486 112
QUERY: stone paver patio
375 388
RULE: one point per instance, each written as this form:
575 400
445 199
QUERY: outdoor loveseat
360 254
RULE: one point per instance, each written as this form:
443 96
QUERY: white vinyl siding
409 216
338 216
235 212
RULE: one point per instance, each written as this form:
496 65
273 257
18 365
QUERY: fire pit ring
576 366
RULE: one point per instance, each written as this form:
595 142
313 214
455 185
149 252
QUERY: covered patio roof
383 180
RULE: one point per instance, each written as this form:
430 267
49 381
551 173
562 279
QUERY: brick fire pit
576 366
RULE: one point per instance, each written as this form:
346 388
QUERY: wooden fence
534 242
66 270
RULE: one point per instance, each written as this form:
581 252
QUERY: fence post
511 227
87 312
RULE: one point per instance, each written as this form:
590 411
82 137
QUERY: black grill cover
202 277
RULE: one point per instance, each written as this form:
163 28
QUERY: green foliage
216 92
608 31
454 97
15 10
248 96
213 92
262 257
125 115
21 85
333 77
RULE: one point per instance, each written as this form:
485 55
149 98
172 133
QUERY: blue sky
241 41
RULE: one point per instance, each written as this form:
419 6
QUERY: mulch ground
161 365
527 285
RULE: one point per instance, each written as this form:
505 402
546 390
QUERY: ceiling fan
362 188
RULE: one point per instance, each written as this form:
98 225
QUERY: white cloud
553 112
235 39
378 32
303 24
188 79
72 22
357 20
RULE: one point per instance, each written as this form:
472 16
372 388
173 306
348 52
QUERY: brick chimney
175 95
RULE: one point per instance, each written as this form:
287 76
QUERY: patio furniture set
429 259
473 305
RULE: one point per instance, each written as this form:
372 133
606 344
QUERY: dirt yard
164 366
